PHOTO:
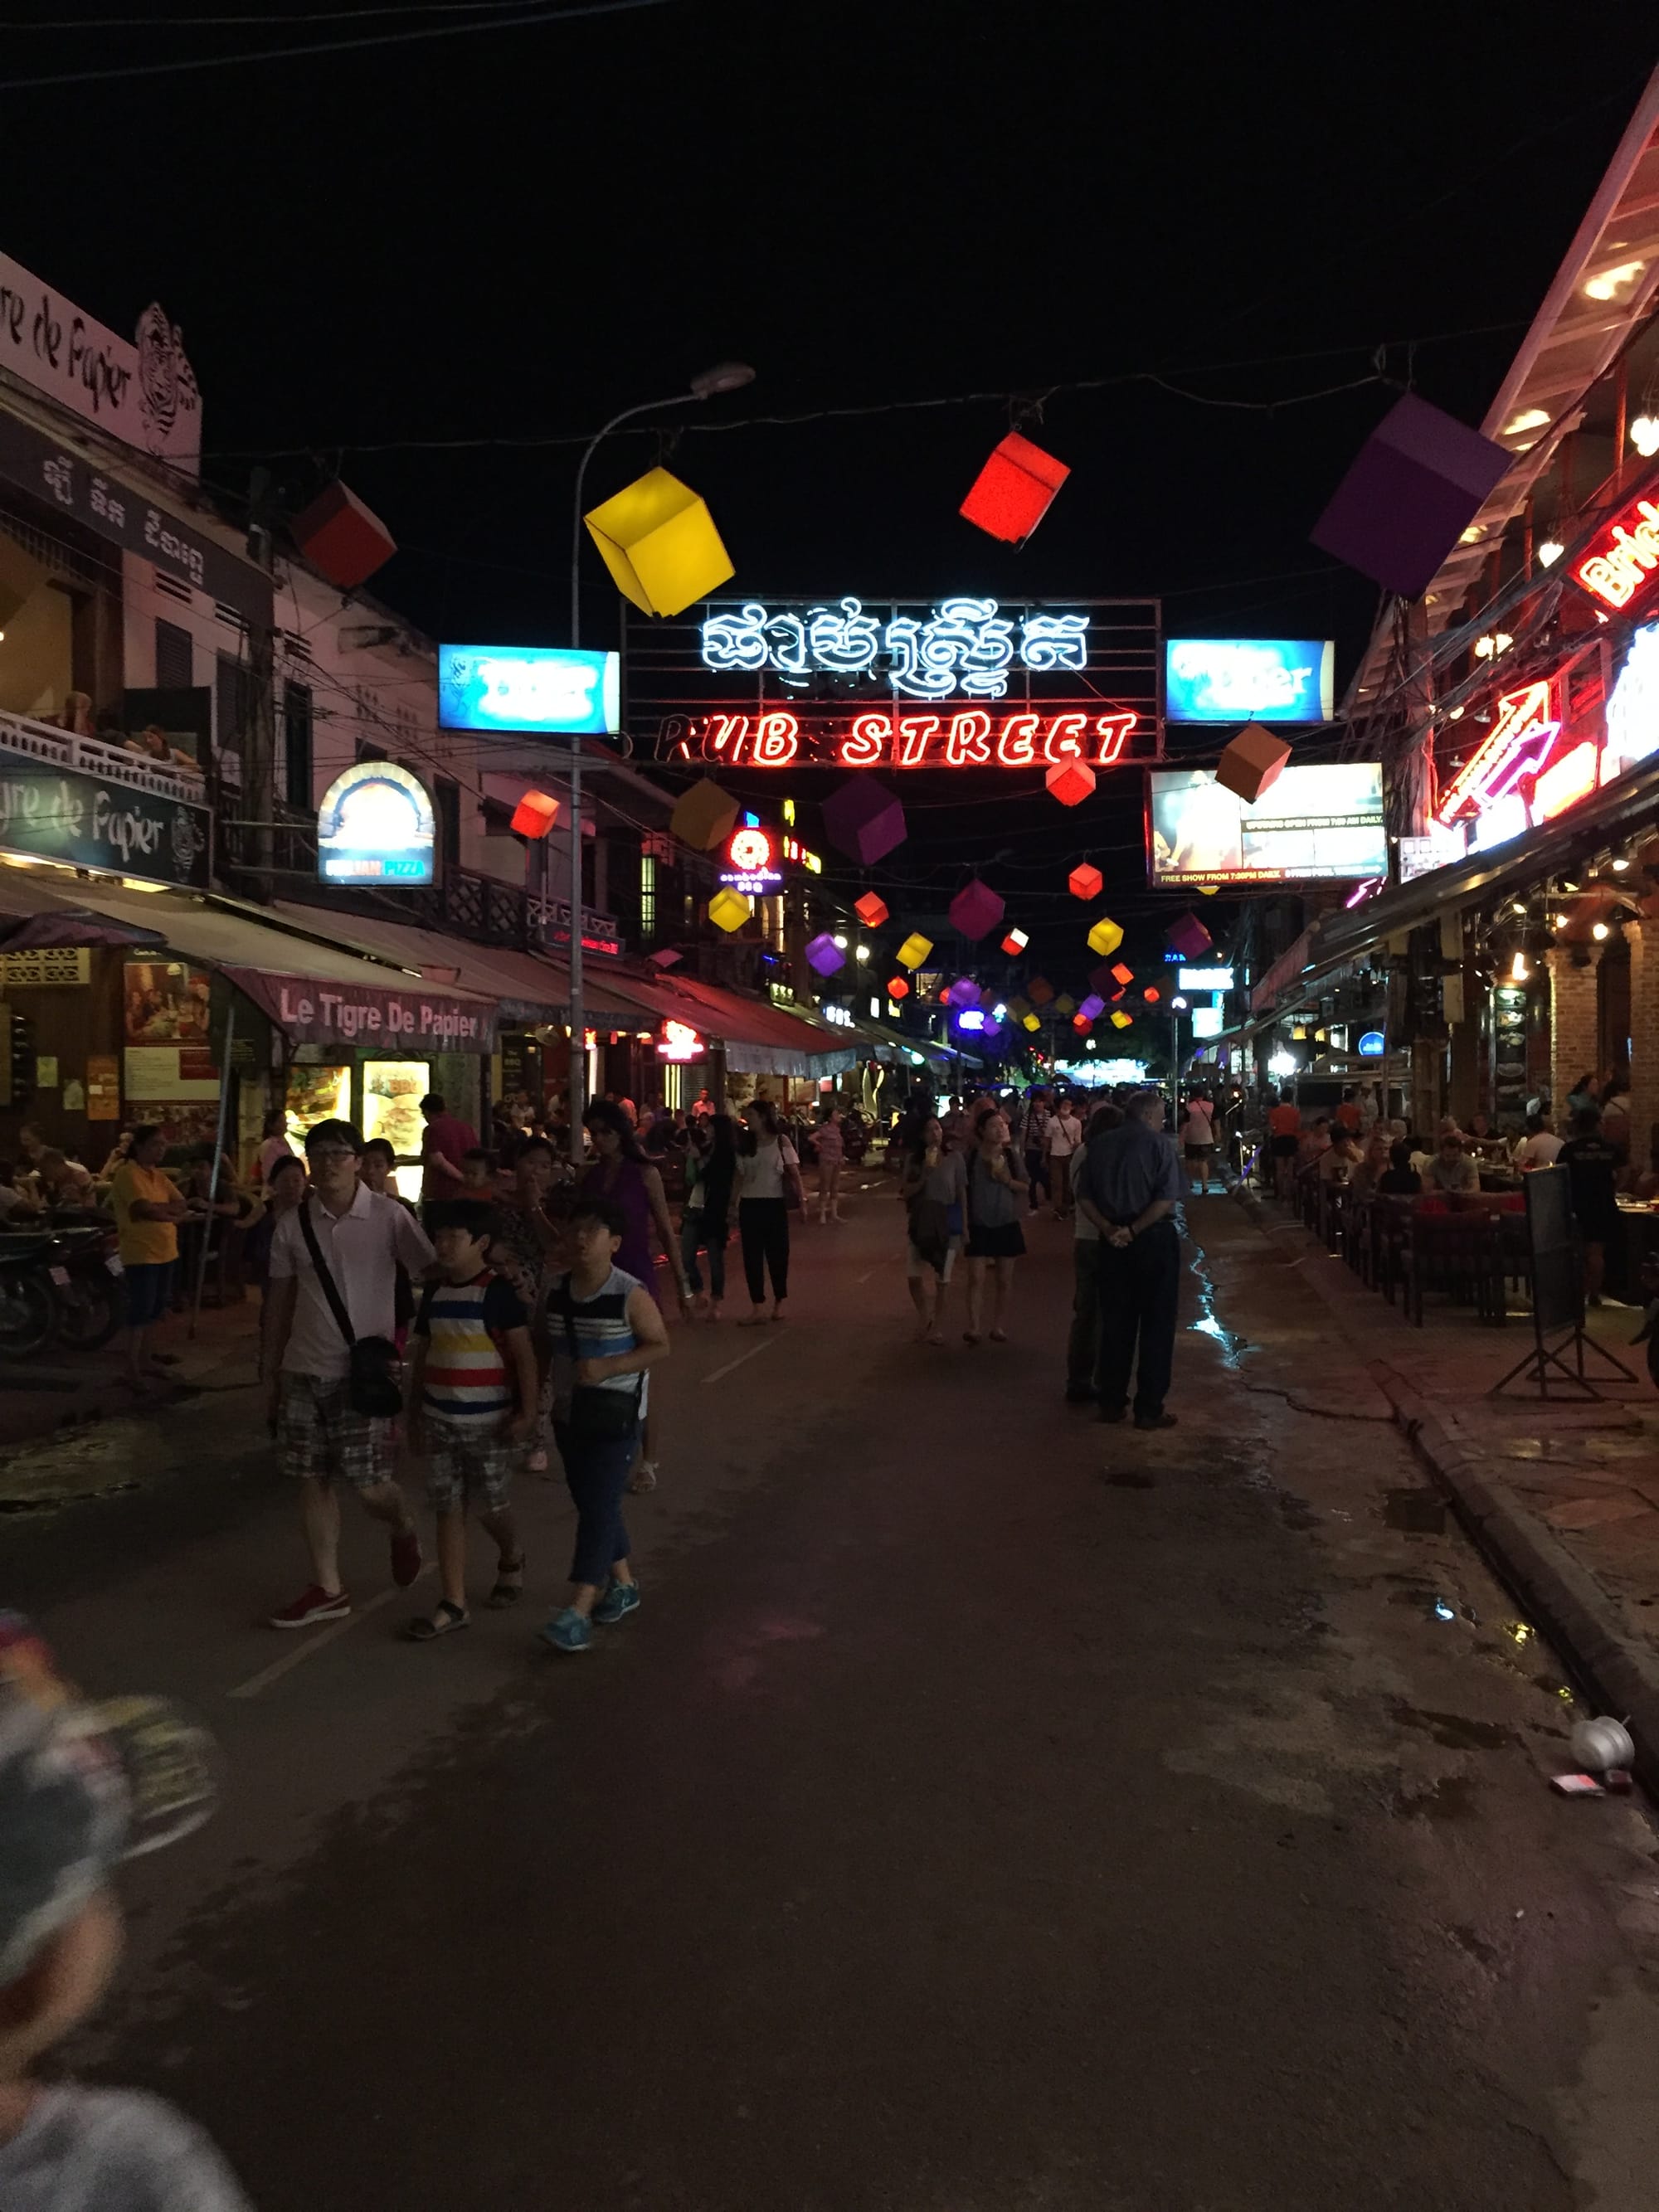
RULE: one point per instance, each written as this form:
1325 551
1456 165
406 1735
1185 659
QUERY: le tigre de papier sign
309 1011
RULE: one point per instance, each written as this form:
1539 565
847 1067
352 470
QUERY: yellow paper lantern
1065 1004
1105 937
915 950
1121 1020
730 910
660 543
1032 1022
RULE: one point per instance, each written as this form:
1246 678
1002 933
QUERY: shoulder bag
598 1415
371 1386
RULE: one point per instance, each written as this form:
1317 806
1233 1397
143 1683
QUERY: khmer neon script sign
966 647
971 738
1621 558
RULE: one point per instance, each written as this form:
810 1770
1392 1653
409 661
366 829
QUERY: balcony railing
92 757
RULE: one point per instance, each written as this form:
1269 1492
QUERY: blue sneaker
620 1599
568 1631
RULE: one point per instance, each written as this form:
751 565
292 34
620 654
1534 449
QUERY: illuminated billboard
529 690
375 826
1249 679
1319 822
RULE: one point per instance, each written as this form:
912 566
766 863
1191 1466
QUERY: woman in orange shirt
1284 1136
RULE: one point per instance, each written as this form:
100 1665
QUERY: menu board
393 1091
316 1094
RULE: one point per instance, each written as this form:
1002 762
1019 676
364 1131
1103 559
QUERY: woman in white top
273 1144
1064 1135
1538 1147
768 1166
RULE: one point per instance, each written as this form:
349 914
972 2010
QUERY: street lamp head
1177 1006
725 376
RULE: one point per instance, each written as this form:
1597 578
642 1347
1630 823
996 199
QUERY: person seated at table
1366 1179
63 1181
1399 1179
1341 1158
1482 1139
1538 1147
1451 1171
1593 1165
17 1207
1314 1142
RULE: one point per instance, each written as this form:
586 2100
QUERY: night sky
506 235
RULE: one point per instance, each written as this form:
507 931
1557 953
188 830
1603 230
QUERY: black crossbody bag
371 1386
598 1415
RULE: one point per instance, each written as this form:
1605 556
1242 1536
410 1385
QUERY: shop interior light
1516 907
1494 643
1550 552
1455 715
1644 436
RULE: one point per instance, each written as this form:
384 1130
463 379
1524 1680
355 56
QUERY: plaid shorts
319 1434
469 1463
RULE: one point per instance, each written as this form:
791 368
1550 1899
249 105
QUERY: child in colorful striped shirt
472 1399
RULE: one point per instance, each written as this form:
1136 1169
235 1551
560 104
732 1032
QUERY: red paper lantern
1070 781
338 536
897 988
1084 882
535 814
1014 490
1152 994
1039 990
1016 941
1125 975
1081 1021
871 910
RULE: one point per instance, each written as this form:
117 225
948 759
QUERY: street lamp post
725 376
1177 1007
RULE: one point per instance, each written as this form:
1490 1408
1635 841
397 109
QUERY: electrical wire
541 18
62 25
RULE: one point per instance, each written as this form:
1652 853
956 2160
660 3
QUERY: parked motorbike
87 1279
28 1294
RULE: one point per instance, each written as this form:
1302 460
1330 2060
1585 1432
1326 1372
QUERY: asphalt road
952 1830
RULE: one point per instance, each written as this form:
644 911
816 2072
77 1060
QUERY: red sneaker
406 1558
314 1605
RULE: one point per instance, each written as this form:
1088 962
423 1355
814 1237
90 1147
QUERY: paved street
954 1828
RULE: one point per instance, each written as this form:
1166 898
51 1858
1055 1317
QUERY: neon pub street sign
968 738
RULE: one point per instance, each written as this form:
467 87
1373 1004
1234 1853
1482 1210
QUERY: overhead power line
538 20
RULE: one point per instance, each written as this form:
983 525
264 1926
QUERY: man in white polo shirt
322 1440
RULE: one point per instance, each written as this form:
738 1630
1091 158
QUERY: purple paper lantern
862 818
1188 936
1092 1007
964 992
824 955
976 911
1415 487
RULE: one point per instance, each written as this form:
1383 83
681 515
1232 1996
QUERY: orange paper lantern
535 814
897 988
871 910
1084 882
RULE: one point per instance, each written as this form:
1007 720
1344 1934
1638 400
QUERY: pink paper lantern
976 911
864 819
1014 490
1189 937
1070 781
824 955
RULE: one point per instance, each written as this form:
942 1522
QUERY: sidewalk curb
1621 1672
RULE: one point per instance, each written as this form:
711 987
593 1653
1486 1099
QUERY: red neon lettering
1114 736
777 740
868 742
724 729
1065 738
1571 778
916 732
1623 557
969 738
1016 746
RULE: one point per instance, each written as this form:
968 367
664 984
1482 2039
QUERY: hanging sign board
507 690
1250 679
1313 823
375 826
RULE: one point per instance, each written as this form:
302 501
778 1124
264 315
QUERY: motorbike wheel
88 1312
28 1312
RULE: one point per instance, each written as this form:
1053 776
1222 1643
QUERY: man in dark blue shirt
1131 1185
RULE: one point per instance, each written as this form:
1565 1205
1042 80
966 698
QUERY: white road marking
753 1352
312 1644
859 1281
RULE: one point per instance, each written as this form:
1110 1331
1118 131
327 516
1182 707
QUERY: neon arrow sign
1517 744
968 739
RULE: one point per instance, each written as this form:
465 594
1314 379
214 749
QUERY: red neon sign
968 738
751 851
1622 555
1517 744
680 1041
1571 778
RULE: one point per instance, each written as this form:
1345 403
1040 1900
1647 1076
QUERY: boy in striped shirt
472 1398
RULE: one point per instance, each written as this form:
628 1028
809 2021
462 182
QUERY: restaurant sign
309 1011
54 813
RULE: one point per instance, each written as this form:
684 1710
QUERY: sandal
444 1619
506 1593
998 1336
644 1478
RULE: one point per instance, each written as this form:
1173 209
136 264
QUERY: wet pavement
955 1826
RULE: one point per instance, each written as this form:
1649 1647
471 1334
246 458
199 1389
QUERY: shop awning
759 1038
315 993
525 988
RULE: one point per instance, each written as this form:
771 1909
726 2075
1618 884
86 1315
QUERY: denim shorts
149 1291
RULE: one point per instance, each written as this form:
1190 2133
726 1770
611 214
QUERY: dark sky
511 234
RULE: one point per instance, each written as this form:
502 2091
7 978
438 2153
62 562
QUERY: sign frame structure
560 690
1274 814
345 855
55 805
1250 679
947 682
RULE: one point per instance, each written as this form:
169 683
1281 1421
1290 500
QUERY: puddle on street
100 1461
1453 1729
1231 1343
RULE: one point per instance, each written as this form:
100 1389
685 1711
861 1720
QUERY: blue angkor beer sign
53 812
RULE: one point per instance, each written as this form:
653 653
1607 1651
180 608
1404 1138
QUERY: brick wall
1574 1029
1642 937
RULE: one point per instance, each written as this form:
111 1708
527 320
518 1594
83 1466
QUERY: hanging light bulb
1550 552
1519 970
1600 932
1644 436
1619 865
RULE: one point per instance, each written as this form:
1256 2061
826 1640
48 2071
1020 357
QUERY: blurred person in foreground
82 1787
